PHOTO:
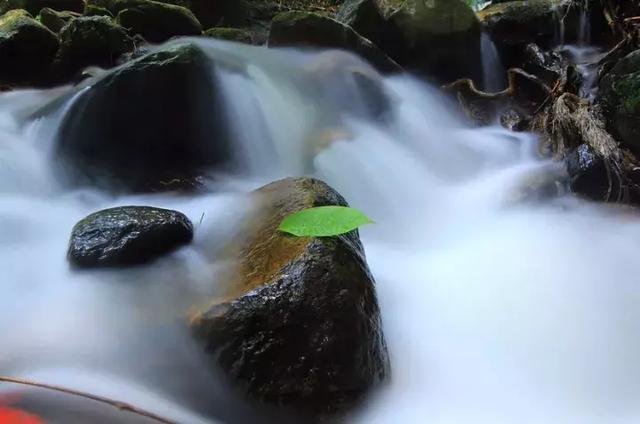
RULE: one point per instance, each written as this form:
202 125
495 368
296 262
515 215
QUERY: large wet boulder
156 21
308 29
619 98
90 41
127 235
27 48
146 125
35 6
298 324
515 24
438 38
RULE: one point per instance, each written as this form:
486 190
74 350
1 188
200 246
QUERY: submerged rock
619 98
313 30
299 323
27 48
168 127
55 20
156 21
127 235
90 41
438 38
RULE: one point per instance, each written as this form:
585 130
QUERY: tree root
117 404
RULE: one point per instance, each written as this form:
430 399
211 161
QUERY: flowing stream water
498 307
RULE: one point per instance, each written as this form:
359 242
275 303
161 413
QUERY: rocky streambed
290 327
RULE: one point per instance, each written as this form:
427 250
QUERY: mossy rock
126 236
439 38
619 98
35 6
167 129
55 20
90 41
296 28
27 48
298 324
230 34
156 21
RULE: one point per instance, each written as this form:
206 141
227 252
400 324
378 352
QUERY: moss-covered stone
127 235
35 6
26 48
298 324
230 34
619 97
90 41
156 21
438 38
55 20
298 28
167 128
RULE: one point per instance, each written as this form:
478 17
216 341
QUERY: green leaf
323 221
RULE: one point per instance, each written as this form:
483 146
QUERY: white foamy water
495 310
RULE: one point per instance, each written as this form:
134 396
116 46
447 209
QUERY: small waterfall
560 27
492 70
584 25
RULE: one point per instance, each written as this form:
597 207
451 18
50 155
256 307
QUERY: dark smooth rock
128 235
299 324
167 128
90 41
27 48
312 30
156 21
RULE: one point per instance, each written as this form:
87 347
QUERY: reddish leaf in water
18 416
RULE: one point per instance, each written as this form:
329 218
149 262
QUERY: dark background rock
156 21
34 6
302 328
90 41
313 30
27 48
127 235
55 20
168 126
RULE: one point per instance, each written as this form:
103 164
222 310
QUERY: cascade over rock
298 324
157 136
